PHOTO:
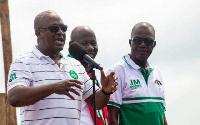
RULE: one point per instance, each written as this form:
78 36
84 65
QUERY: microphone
80 53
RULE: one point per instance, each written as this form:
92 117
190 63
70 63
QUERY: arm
165 121
24 96
109 86
113 113
101 99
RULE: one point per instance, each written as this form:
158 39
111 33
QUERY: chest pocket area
38 78
44 74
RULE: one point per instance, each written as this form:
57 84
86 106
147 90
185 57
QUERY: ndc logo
158 82
12 77
135 84
73 74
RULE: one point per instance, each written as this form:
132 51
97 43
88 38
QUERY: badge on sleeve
12 77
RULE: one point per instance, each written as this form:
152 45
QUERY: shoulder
156 70
154 67
72 61
119 67
25 58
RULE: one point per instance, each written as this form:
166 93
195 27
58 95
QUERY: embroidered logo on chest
159 84
135 84
73 74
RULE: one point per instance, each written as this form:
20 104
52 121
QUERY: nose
90 47
142 43
60 31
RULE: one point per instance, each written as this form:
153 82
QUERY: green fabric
114 104
147 113
146 75
98 84
126 61
69 55
143 98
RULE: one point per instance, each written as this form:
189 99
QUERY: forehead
84 36
143 31
88 39
52 19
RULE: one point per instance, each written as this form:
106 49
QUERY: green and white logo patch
12 77
73 74
135 84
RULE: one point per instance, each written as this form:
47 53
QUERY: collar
37 52
132 64
39 55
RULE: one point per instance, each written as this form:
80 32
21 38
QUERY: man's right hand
66 86
28 95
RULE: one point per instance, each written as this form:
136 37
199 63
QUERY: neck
141 63
85 64
55 56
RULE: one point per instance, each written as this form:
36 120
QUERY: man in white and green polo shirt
139 99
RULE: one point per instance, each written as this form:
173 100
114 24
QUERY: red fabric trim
104 111
89 74
99 120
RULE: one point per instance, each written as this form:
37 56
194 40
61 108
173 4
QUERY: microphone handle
90 61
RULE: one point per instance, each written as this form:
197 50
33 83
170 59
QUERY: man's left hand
109 84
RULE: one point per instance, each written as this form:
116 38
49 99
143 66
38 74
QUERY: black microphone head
77 51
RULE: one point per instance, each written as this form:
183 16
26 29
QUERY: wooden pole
7 112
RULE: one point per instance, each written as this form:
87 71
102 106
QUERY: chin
58 49
142 58
92 56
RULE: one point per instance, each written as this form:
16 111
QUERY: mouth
60 41
92 55
142 52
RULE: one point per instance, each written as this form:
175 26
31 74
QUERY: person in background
85 36
139 99
48 87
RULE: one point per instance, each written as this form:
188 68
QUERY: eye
136 41
84 43
63 28
94 44
149 42
53 28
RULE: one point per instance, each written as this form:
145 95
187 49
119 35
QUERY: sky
176 22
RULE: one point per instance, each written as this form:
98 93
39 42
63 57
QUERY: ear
37 33
70 42
155 44
130 42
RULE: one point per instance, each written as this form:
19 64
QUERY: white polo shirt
139 95
36 69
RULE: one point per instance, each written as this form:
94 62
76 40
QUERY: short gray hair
40 17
